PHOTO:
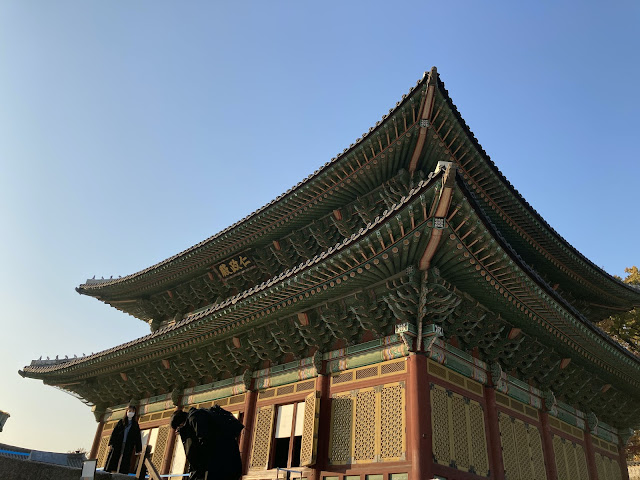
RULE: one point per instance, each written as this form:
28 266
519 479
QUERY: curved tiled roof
537 278
94 287
597 270
190 319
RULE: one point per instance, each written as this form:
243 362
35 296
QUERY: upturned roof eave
537 279
243 298
101 290
121 351
596 271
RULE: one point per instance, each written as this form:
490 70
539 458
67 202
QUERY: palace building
402 313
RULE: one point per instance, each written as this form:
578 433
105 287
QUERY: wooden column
168 453
495 445
245 440
547 447
96 441
419 434
323 385
589 452
622 458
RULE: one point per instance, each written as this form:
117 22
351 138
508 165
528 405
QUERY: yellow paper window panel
262 432
371 371
598 442
514 404
459 438
309 445
608 469
571 461
566 428
103 450
440 371
368 425
109 426
522 453
283 390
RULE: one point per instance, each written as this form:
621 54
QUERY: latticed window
368 425
459 439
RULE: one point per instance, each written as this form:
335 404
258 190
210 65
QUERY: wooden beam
514 333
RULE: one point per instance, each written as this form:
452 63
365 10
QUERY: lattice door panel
608 469
459 439
103 450
368 425
160 447
479 459
342 408
522 453
310 429
571 461
364 450
393 423
262 433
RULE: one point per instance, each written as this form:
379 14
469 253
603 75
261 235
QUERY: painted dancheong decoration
402 313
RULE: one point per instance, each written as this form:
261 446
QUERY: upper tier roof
433 130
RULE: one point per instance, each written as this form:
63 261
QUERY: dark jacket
133 442
209 449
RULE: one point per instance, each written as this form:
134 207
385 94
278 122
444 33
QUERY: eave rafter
457 144
479 254
269 260
362 167
374 254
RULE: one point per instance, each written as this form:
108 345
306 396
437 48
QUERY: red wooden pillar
419 418
168 453
323 386
622 452
245 440
547 447
495 445
591 457
96 441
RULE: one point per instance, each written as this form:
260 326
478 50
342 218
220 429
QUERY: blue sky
130 131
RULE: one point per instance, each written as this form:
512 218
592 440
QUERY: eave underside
363 287
590 289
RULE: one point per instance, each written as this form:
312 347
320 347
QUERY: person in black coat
212 452
125 438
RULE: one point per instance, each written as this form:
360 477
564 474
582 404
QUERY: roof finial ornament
433 76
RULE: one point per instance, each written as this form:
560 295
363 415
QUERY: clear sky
130 131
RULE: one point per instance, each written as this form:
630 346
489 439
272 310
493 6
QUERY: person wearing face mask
210 447
125 438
